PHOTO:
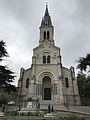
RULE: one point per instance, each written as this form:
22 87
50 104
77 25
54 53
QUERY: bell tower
46 29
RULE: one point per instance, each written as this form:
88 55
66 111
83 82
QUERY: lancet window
27 83
66 82
46 35
46 58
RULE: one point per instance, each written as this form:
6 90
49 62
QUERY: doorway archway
46 88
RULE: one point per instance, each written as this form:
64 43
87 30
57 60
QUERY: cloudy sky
19 28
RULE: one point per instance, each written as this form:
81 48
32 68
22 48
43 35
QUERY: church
47 79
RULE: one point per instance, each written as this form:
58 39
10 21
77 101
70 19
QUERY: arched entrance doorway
46 88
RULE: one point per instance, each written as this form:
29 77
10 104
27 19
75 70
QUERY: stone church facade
48 79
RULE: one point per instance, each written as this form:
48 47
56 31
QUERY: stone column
32 87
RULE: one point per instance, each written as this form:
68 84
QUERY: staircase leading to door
57 106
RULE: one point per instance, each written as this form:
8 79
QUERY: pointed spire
46 12
46 20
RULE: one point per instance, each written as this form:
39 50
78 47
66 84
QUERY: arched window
27 82
48 59
44 35
47 34
66 82
44 59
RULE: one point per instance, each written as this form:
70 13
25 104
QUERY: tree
82 78
3 100
6 75
3 51
83 85
84 62
87 87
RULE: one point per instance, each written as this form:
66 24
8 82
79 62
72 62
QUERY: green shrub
29 114
3 100
14 113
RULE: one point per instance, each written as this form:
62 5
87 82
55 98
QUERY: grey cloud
71 19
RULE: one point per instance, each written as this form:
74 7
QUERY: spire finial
46 12
46 4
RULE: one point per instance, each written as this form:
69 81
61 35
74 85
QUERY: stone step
57 106
46 102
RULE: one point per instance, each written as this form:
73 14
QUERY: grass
61 115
